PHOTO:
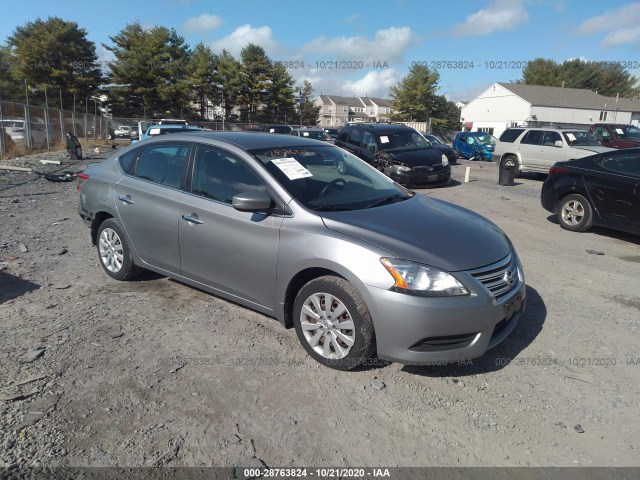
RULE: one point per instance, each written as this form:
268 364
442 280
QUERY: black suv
399 151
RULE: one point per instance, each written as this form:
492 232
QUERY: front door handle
193 218
126 199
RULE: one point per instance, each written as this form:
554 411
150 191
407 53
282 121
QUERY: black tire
108 246
574 213
363 334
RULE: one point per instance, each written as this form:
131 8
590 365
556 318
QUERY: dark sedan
602 189
444 148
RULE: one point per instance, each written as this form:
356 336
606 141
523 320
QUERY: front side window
162 164
219 175
549 139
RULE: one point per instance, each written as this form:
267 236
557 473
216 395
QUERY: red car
616 135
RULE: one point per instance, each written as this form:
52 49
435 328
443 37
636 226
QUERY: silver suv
537 149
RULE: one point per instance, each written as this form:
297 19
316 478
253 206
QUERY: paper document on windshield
291 168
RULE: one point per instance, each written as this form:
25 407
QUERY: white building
505 105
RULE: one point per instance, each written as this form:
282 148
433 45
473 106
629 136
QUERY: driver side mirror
558 143
372 148
252 201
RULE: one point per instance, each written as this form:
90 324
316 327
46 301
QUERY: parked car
402 153
154 130
602 189
276 128
443 147
312 133
615 135
356 263
123 131
474 146
332 132
16 129
537 149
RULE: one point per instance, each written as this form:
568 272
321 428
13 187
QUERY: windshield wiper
386 200
332 208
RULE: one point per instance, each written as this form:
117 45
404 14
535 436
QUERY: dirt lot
89 376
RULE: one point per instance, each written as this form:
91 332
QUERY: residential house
336 111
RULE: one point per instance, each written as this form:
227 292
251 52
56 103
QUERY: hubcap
327 325
572 212
111 250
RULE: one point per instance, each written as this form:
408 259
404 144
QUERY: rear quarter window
510 135
128 160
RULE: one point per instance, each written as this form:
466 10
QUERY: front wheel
333 323
114 251
575 213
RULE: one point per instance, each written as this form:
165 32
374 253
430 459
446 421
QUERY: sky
364 47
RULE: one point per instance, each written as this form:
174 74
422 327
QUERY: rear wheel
333 323
114 251
575 213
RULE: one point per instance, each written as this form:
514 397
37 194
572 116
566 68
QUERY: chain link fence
25 129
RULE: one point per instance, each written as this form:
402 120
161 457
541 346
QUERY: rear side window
532 137
355 137
162 164
128 160
511 134
343 136
625 164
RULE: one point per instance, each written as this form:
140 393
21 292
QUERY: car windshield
13 123
434 139
402 140
580 138
278 129
628 132
486 139
314 134
327 178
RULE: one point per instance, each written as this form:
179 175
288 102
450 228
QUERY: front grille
428 169
500 278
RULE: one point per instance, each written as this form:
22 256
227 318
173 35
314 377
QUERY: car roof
247 140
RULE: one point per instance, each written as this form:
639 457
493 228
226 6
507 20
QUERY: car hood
596 149
417 158
427 231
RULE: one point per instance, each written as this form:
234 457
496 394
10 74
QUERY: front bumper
418 176
435 330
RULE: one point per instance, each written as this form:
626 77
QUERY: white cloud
388 45
501 15
621 25
374 84
203 23
244 35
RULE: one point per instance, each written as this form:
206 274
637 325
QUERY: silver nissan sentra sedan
359 265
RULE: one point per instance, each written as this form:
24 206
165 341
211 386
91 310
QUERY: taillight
557 170
81 178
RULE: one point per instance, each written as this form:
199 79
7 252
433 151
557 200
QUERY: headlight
417 279
445 160
403 168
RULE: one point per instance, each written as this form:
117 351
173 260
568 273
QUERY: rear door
530 152
148 199
615 189
221 247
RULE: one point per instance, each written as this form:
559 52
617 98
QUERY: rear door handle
193 218
126 199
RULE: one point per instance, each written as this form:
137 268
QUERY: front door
221 247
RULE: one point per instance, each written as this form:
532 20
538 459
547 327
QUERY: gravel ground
95 372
